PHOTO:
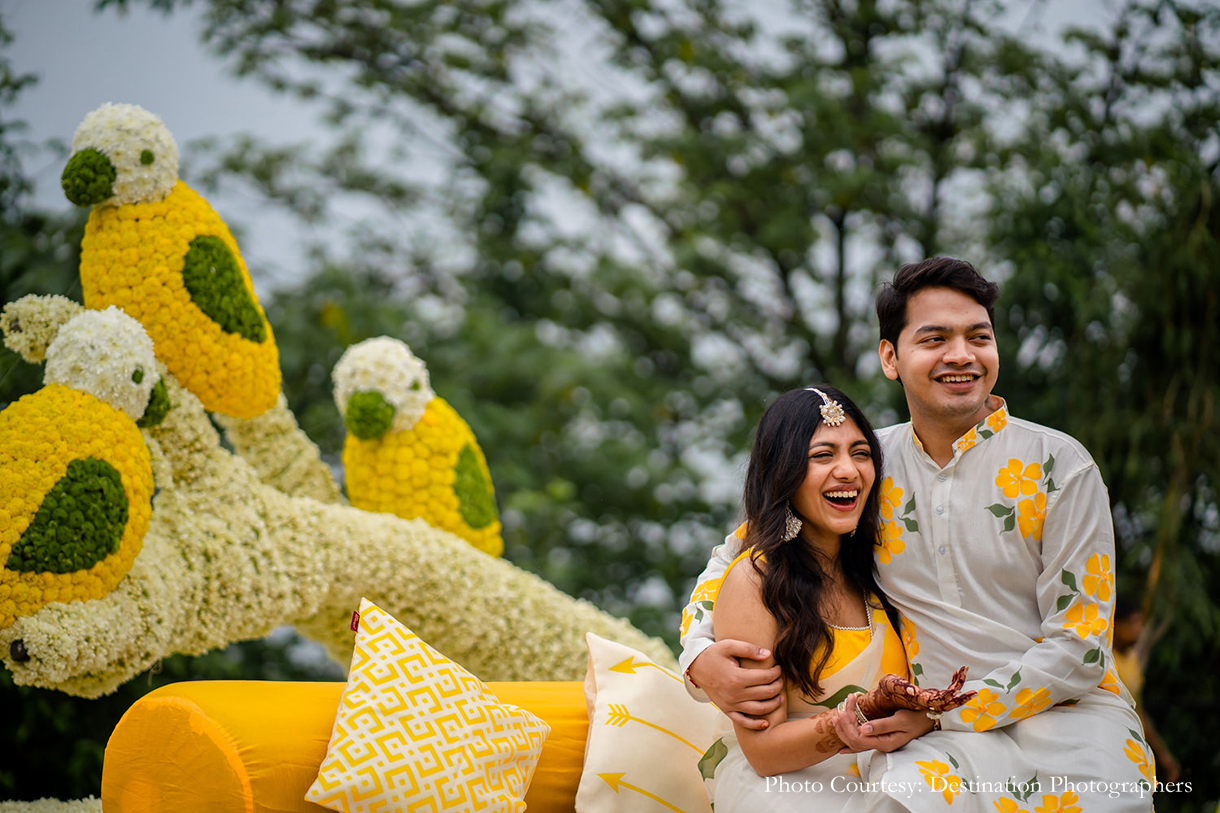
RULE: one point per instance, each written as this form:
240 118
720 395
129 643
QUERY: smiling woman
804 589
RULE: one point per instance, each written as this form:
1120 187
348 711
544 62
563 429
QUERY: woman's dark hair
935 272
793 580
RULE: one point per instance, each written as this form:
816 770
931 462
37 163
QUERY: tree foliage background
615 229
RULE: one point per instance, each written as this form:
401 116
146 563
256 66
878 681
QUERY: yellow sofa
255 746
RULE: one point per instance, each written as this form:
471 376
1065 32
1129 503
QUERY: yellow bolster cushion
255 746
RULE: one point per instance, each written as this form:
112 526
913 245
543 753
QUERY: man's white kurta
1002 560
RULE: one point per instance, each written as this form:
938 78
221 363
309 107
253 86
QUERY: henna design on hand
893 693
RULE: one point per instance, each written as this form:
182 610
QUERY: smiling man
997 547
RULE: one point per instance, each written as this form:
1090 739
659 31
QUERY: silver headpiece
832 411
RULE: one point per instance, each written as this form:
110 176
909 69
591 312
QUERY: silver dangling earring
792 525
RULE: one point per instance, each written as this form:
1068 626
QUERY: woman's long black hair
793 580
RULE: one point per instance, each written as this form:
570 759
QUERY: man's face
946 358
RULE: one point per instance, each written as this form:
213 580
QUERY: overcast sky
84 59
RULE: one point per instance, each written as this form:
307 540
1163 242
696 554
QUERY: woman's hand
894 693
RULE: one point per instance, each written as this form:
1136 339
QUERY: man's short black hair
935 272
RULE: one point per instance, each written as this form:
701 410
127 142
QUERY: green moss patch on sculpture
79 523
88 178
475 495
369 415
213 279
158 407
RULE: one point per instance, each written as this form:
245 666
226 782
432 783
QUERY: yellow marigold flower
139 258
1136 753
1018 479
1110 682
1063 803
1006 805
891 498
1085 619
938 777
44 438
997 420
446 465
909 641
1031 515
967 441
891 542
1098 580
983 710
1030 702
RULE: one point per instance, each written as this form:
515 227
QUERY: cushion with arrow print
646 736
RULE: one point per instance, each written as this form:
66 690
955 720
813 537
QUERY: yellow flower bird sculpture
77 478
156 249
407 451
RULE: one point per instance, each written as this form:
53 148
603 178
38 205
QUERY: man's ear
889 359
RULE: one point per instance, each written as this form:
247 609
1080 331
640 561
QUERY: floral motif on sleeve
1084 617
1063 803
983 710
890 542
1099 579
701 600
1029 702
941 778
1085 620
1110 682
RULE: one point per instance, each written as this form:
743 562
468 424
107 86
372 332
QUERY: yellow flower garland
134 255
416 473
40 435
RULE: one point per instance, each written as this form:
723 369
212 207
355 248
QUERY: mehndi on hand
893 693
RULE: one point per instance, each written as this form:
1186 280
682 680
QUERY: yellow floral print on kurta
1099 580
1031 514
891 498
1085 619
1136 753
1018 479
1006 805
703 598
967 441
1029 702
938 776
1110 682
1063 803
997 420
983 710
891 543
909 641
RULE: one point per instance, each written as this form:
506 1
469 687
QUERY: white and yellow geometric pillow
415 732
646 736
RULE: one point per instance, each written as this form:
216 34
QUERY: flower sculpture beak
88 178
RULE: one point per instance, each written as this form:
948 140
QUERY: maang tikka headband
832 411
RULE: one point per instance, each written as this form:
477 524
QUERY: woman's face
837 481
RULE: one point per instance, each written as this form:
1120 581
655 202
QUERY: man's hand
745 693
884 734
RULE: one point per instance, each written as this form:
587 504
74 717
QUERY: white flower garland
387 366
106 354
127 134
90 804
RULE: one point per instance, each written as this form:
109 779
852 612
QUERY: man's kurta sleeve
1075 594
696 634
